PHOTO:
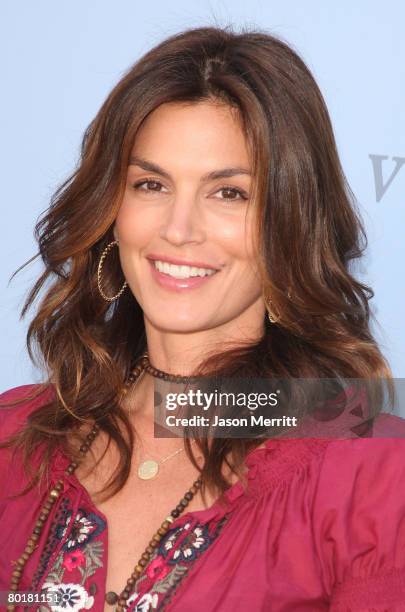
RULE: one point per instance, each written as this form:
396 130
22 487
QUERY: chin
177 324
180 327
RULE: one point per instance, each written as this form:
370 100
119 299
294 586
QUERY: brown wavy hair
308 230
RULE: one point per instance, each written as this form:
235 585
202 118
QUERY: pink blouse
321 527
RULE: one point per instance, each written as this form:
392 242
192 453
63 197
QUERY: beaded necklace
111 597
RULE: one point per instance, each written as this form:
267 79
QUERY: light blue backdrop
60 59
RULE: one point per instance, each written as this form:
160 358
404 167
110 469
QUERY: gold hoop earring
270 314
99 269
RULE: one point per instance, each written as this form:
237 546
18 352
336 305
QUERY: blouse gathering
320 527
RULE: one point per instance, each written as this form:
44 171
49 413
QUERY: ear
115 233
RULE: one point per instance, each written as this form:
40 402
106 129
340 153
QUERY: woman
208 228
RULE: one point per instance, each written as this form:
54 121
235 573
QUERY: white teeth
181 271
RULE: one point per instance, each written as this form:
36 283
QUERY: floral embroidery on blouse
80 557
147 602
172 561
72 597
189 550
82 553
86 526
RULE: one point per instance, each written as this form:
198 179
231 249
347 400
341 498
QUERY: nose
183 221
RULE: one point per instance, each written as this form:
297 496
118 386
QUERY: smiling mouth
181 272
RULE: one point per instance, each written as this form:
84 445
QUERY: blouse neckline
217 509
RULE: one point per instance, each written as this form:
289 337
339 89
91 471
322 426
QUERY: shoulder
18 403
359 514
385 446
277 459
374 463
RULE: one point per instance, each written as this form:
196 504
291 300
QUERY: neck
181 353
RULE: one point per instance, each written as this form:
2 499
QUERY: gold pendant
148 469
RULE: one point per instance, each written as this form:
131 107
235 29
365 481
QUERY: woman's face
185 225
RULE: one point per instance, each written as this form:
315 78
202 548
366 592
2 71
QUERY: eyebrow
149 166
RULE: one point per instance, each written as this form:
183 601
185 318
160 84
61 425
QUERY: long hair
308 232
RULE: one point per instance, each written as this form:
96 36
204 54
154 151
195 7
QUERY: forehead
207 131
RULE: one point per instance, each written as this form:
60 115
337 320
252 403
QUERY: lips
181 262
171 283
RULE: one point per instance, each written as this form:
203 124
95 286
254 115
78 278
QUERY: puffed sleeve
359 524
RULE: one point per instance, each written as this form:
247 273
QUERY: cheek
244 254
238 240
134 226
251 244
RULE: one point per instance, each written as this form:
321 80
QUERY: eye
231 194
149 185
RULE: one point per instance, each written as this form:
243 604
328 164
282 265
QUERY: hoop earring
99 269
270 314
